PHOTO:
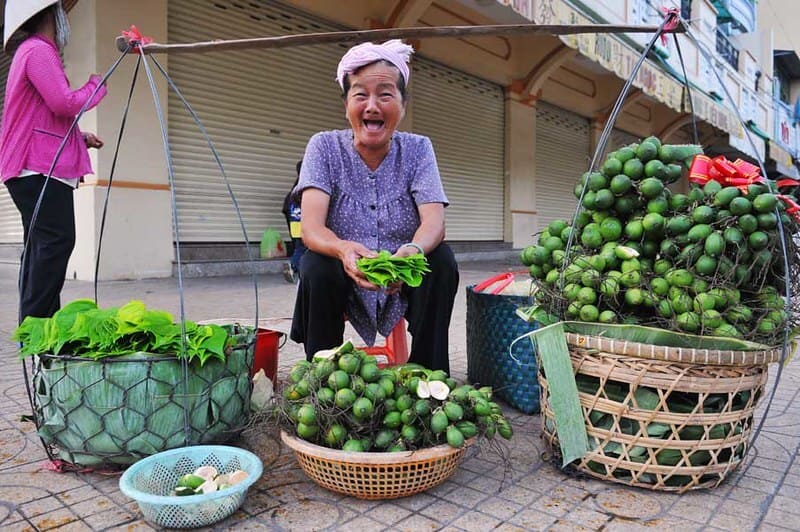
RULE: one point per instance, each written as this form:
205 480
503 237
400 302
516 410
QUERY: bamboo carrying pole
286 41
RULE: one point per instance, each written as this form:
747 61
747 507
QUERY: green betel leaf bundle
82 329
342 400
705 262
385 269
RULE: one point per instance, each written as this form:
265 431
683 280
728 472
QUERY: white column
137 240
520 153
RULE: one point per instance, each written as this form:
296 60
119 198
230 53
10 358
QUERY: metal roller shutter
259 107
617 139
620 138
464 117
562 155
10 223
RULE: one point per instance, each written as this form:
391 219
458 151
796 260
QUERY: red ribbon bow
792 208
738 174
135 37
787 182
673 16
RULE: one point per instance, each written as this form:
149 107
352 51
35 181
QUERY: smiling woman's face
374 106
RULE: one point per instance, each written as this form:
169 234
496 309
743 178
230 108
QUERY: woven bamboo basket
375 475
662 420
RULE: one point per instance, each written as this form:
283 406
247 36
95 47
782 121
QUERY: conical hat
18 12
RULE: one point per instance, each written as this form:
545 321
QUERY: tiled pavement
764 494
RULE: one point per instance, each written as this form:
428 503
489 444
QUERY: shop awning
657 81
783 160
522 7
753 146
752 126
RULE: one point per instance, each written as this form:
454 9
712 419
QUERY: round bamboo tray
375 475
658 424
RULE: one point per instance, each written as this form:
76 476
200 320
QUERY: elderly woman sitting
366 189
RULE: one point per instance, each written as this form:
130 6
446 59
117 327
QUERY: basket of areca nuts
674 305
381 433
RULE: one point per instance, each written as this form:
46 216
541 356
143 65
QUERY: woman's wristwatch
413 245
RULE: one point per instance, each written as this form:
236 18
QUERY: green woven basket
117 410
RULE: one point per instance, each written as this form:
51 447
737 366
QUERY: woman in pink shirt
38 110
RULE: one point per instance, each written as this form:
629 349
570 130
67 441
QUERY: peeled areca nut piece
330 354
325 354
207 472
625 253
423 390
237 477
209 486
439 390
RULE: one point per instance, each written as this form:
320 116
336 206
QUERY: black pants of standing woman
43 265
322 296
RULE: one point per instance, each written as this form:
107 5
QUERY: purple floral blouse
376 208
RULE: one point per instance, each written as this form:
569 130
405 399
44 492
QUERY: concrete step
220 268
10 252
217 268
9 268
9 263
9 260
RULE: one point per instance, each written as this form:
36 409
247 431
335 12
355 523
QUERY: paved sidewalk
533 495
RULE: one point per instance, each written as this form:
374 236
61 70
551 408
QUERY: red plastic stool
395 350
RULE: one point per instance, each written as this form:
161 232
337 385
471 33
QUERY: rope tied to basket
135 38
672 19
58 446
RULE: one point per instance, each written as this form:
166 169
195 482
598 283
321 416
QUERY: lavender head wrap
395 52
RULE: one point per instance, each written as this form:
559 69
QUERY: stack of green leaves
385 269
82 329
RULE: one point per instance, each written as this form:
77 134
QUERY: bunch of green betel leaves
82 329
385 269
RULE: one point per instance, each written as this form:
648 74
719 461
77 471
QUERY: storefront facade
263 106
514 120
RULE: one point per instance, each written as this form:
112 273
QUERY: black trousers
318 321
43 265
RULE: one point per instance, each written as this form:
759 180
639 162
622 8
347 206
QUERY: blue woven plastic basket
151 481
492 325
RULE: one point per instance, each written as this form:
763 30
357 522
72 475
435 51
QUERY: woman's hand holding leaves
387 269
